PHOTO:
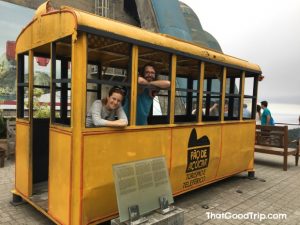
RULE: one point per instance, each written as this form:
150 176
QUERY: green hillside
8 77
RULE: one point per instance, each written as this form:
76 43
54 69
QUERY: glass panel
249 86
214 109
212 92
41 87
26 103
23 76
187 93
61 81
233 95
92 88
148 178
249 105
181 96
161 99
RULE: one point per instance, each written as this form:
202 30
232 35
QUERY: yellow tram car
64 168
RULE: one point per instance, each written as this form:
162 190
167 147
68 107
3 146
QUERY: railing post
285 153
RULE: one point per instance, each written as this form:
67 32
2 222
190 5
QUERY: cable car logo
197 153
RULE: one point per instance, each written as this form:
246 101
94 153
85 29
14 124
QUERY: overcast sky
12 25
265 32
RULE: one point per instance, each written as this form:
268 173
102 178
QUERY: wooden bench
2 157
274 140
11 137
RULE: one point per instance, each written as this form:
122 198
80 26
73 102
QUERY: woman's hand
116 123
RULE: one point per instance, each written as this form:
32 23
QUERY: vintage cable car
200 124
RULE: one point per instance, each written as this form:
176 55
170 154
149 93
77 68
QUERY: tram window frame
62 85
163 70
95 80
233 94
41 109
252 96
211 74
190 92
22 85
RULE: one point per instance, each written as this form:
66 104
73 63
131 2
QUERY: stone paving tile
278 194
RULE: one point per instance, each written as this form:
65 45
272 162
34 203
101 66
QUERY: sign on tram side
197 159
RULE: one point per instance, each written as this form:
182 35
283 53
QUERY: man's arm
163 84
142 81
268 120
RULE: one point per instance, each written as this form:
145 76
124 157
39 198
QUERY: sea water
286 113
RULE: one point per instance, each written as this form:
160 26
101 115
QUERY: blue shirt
144 103
264 116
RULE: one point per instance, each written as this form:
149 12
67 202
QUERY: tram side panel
195 157
237 148
60 175
101 151
23 160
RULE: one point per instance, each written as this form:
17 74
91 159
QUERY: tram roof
67 21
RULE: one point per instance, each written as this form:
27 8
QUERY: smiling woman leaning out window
108 111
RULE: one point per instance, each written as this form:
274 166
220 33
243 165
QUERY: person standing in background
246 112
266 117
258 114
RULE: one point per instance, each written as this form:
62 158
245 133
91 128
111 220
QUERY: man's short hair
264 103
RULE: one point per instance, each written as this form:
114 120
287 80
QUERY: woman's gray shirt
98 115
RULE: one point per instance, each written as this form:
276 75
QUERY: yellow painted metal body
23 159
60 175
80 185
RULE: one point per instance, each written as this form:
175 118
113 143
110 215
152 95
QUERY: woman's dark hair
117 89
258 108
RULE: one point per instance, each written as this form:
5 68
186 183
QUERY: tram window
187 93
159 110
23 87
212 92
181 97
250 96
41 85
108 65
232 94
61 82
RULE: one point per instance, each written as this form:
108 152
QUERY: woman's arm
99 121
122 118
116 123
96 114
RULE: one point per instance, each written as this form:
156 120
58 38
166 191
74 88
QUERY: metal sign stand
164 206
134 216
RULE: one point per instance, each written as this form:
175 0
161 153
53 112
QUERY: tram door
43 106
40 127
40 154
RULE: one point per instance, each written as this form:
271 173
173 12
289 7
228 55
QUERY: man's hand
153 86
153 92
